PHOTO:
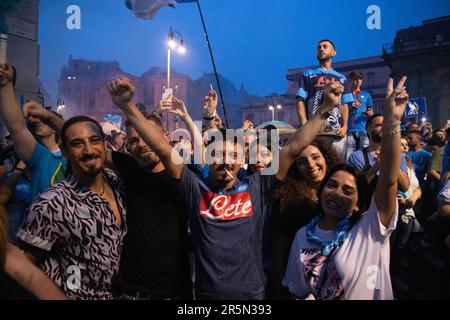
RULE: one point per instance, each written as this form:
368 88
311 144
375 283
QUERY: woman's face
404 145
311 165
339 196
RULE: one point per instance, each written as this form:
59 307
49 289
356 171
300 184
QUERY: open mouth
333 204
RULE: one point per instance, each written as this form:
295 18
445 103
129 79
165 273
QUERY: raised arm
179 109
122 91
34 109
12 115
209 110
307 132
386 190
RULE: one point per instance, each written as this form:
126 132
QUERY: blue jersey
356 117
311 91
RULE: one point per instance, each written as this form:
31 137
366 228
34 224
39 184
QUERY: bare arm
301 110
30 277
343 130
122 91
12 115
435 175
209 110
403 181
181 111
34 109
386 189
307 132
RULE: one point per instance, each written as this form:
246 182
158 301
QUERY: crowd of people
354 205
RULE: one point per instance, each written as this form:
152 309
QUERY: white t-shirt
361 263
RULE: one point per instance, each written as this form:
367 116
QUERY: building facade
423 54
23 52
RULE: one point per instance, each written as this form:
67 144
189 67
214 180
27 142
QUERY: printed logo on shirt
322 81
242 188
222 207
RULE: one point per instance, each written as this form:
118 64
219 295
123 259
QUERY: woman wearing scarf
343 253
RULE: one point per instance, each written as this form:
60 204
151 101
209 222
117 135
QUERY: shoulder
311 72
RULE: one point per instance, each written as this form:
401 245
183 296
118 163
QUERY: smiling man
75 229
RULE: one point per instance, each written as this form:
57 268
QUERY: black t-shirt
11 290
155 250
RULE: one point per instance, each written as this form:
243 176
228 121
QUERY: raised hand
33 109
210 104
6 74
248 125
178 108
332 95
396 99
121 91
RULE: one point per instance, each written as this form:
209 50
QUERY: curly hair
295 190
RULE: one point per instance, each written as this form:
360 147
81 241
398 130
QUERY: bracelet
391 128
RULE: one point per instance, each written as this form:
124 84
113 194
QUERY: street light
172 44
60 105
272 108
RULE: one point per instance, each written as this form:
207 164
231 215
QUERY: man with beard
154 263
225 214
75 230
40 152
367 159
310 96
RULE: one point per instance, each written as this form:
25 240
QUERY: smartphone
167 92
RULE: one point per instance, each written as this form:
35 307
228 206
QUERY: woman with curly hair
296 204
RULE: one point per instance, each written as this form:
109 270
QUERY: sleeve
39 153
355 161
348 96
186 185
38 229
369 103
303 88
293 277
444 194
403 165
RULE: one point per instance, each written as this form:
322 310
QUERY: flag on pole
147 9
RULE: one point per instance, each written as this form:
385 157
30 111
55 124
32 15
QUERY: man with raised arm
226 214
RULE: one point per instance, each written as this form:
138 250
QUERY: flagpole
213 63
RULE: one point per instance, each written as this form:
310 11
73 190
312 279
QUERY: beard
376 137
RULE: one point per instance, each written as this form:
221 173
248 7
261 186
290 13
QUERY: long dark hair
295 190
361 184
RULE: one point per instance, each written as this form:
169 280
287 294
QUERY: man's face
144 156
39 128
85 148
356 83
413 126
325 51
413 139
119 141
231 155
374 129
441 136
263 157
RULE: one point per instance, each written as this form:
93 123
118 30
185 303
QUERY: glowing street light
272 108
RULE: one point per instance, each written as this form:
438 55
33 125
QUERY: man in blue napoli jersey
310 96
359 111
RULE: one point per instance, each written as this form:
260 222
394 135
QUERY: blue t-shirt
311 91
45 168
227 231
18 207
420 160
356 159
356 118
445 164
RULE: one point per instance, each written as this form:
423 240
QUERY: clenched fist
121 91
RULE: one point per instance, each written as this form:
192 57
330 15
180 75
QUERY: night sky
254 41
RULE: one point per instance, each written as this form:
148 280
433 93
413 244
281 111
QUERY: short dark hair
327 40
75 120
418 132
369 121
149 116
356 75
447 132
